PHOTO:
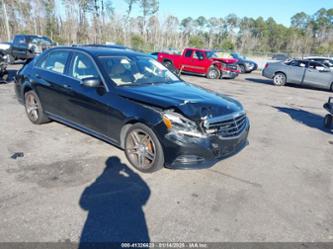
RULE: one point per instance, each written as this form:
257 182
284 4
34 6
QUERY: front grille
230 127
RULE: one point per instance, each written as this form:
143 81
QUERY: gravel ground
70 186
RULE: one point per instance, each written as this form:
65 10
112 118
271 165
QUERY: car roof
38 36
318 57
102 50
305 60
199 49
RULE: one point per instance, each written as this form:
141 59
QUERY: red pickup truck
202 62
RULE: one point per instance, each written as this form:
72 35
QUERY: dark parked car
301 72
245 65
26 47
132 101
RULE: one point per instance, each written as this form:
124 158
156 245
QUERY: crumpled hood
226 60
192 101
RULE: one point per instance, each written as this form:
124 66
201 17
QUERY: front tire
242 69
328 121
34 109
279 79
143 149
213 73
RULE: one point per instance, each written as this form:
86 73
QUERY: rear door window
55 61
316 65
297 63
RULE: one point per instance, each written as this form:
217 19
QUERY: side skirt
84 129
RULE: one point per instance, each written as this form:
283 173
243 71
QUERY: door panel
53 90
295 71
314 77
52 85
187 58
198 65
87 106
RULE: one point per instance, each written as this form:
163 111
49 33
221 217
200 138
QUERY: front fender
216 64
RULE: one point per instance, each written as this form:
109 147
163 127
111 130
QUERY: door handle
67 86
38 76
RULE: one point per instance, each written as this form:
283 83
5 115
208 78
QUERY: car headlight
179 124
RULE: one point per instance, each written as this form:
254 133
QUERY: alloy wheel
32 107
212 74
141 149
279 79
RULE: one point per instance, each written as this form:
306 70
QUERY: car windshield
40 41
211 54
136 70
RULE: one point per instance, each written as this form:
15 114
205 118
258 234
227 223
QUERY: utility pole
6 19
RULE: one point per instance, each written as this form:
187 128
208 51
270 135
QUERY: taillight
266 66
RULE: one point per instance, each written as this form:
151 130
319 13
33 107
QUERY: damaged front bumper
229 74
185 152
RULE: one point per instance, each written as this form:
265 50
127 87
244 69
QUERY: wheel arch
26 87
167 60
216 64
280 72
128 124
124 130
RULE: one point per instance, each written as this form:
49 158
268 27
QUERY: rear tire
328 121
279 79
34 109
143 149
213 73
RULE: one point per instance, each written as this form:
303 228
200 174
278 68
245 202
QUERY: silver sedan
301 72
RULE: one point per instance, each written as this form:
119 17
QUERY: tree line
98 21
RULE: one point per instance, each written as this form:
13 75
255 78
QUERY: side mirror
91 82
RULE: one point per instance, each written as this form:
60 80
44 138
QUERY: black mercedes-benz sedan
132 101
